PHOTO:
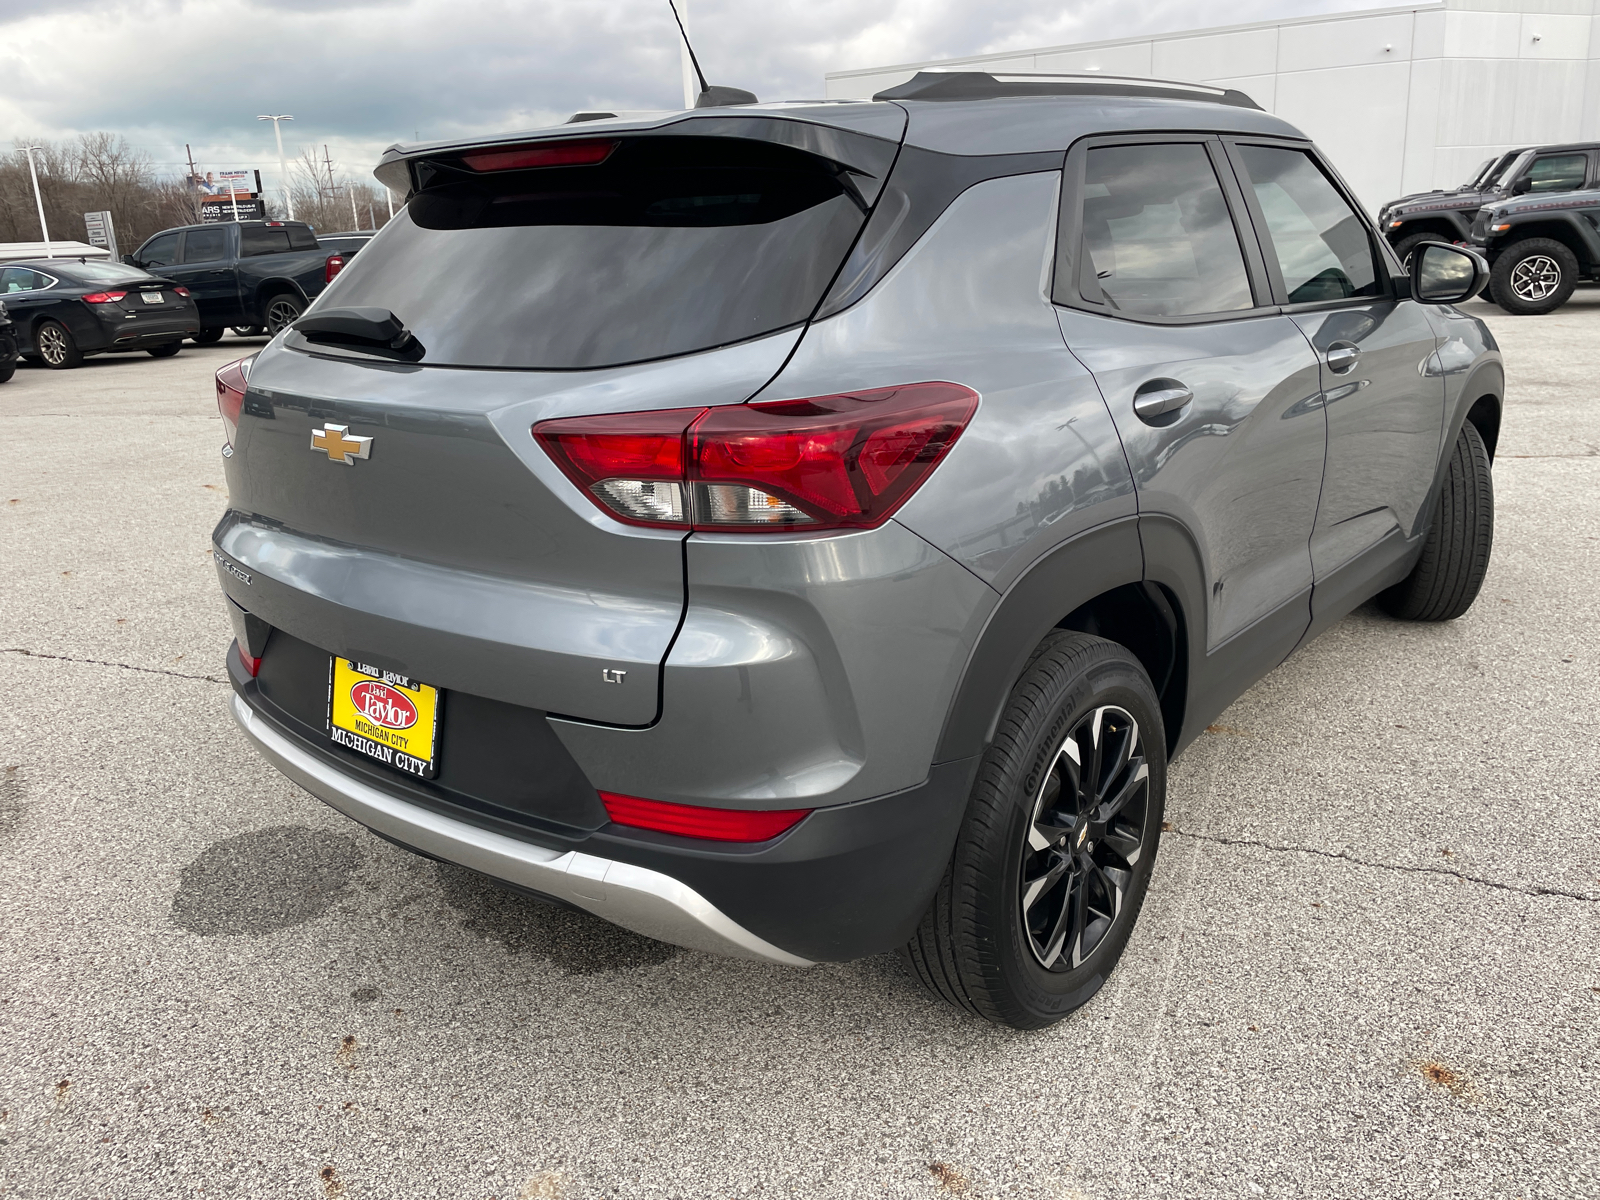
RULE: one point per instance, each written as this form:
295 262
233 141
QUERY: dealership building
1400 99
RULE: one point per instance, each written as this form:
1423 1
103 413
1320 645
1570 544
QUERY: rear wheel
166 351
283 309
1534 276
56 346
1406 245
1455 557
248 330
1053 860
207 336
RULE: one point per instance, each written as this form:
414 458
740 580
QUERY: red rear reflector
230 397
541 154
827 462
253 665
103 297
332 267
691 820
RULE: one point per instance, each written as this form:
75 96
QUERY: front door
206 269
1169 306
1383 397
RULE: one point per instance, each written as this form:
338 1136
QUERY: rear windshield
275 239
671 245
97 272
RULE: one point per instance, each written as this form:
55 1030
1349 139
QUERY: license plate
152 297
384 716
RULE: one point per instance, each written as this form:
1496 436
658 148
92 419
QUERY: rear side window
1558 173
1158 234
205 245
668 246
1321 244
301 238
258 239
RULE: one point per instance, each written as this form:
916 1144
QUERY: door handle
1167 396
1342 357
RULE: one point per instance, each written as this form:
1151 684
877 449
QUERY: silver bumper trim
636 898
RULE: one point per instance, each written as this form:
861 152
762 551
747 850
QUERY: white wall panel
862 87
1477 102
1422 126
1482 34
1549 101
1346 43
1427 36
1126 59
1362 131
1559 36
1240 54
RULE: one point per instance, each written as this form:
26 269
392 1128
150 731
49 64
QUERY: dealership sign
101 231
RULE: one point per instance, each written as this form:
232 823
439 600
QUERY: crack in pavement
100 662
1419 869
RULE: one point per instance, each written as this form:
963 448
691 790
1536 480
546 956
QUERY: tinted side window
1158 234
160 251
257 239
20 279
205 245
1321 244
301 238
1557 173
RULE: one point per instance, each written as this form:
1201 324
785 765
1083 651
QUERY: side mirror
128 258
1522 186
1442 274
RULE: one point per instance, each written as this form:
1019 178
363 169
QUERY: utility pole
328 162
283 165
49 251
355 221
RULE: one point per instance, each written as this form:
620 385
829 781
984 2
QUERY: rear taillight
103 297
182 291
547 154
826 462
692 820
230 397
253 665
332 267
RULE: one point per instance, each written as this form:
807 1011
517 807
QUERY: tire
282 309
57 348
1534 276
7 370
1404 247
248 330
1455 556
207 337
1000 939
166 351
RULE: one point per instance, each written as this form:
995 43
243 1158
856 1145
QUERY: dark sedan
65 309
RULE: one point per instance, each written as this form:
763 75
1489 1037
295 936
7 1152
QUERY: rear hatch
657 268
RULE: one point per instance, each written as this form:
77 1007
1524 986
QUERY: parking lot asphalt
1369 964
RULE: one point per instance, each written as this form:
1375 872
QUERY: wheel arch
268 288
1093 583
1556 229
1435 224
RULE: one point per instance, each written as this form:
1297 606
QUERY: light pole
283 163
44 228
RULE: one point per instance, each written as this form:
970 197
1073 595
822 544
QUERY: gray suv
805 531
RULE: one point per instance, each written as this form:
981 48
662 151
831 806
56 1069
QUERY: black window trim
1065 284
1382 253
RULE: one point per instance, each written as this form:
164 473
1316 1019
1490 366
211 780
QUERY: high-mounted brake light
230 397
821 463
103 297
540 154
693 820
332 267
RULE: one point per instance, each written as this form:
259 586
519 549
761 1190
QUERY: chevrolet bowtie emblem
340 444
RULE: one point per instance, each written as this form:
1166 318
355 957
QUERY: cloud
360 74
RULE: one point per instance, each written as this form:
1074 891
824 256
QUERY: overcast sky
363 74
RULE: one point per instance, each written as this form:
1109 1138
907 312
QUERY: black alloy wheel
1534 276
165 350
207 337
1086 839
283 310
57 347
1053 859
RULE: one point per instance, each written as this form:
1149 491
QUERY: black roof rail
981 85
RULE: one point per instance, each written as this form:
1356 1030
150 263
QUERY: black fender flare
1419 222
1581 235
1062 579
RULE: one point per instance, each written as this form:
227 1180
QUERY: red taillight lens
332 267
103 297
691 820
546 154
182 291
828 462
230 397
253 665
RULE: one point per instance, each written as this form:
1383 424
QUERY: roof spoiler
981 85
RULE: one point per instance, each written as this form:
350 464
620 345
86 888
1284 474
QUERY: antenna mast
692 61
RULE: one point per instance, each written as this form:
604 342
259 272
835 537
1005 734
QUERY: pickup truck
242 274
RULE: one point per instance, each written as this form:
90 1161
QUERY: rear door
206 268
1165 298
1382 396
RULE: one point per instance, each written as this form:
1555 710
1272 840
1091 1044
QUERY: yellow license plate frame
384 716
